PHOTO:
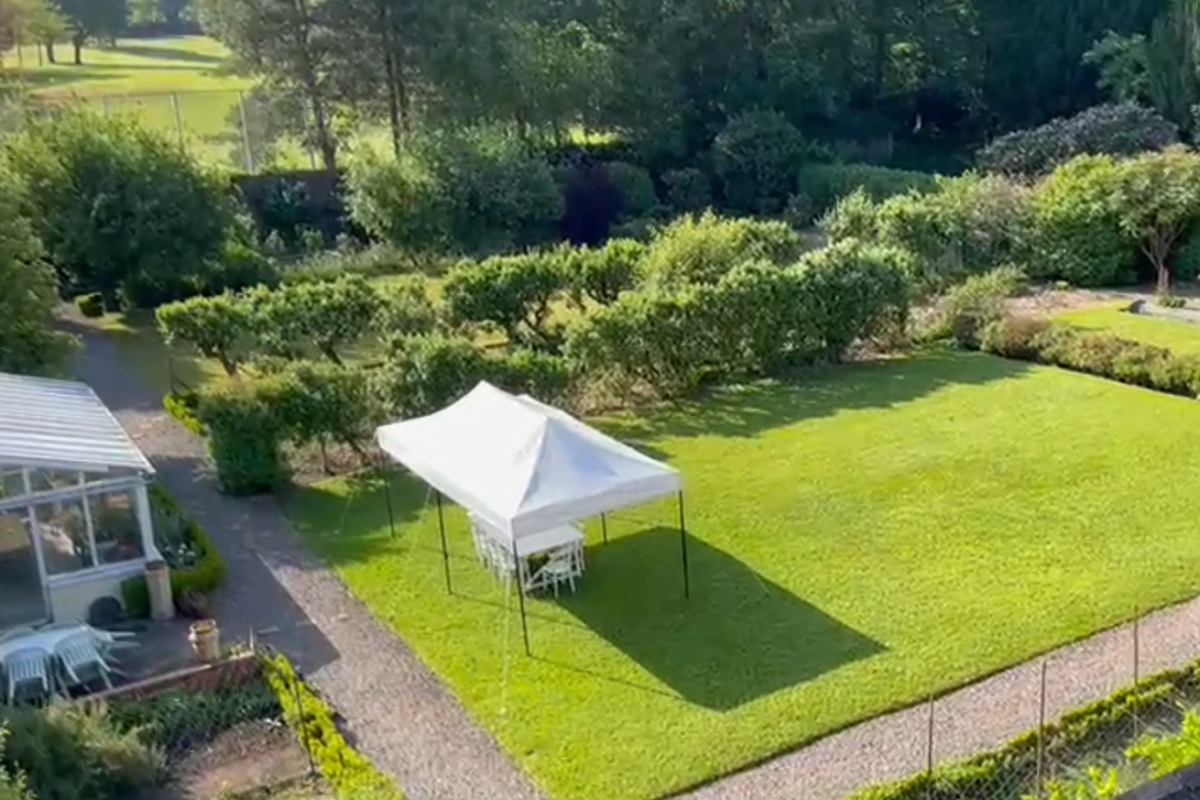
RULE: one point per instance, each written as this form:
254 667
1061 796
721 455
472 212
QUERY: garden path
406 722
399 715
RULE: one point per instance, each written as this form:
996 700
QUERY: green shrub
826 184
182 406
329 315
1118 130
342 767
375 261
245 429
513 293
756 157
239 266
68 753
1098 354
852 217
90 305
29 342
195 563
1076 235
12 782
405 307
975 303
1013 336
541 375
635 186
218 327
688 190
179 720
601 275
122 209
1170 301
702 249
472 191
425 373
757 319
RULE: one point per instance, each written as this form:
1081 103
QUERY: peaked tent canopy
522 466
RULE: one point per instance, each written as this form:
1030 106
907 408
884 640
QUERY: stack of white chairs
563 566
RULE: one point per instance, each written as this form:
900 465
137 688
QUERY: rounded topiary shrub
757 157
90 305
688 189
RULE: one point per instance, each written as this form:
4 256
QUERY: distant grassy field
167 84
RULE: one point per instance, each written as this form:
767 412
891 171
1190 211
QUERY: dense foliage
1118 130
756 319
67 752
513 293
28 341
756 158
701 249
121 209
825 184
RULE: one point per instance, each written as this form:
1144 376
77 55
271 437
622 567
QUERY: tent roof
61 425
521 465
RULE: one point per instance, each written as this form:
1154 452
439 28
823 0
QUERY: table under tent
526 473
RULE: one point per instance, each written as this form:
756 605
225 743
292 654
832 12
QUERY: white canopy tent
524 467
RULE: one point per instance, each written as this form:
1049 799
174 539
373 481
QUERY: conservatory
75 518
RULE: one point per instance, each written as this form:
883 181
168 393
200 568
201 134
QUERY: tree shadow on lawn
739 637
746 411
165 53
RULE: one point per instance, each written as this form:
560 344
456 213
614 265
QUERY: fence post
312 765
246 151
178 117
1041 734
1137 668
929 751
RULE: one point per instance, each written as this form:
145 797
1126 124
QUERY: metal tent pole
604 527
387 494
687 589
445 552
521 596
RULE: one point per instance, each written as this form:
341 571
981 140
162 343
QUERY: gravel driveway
406 722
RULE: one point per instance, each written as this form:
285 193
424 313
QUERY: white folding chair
25 666
79 654
562 567
17 632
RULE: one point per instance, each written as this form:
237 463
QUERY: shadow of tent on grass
738 638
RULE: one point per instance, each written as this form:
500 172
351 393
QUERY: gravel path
399 714
406 722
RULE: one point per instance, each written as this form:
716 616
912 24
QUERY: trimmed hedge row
204 577
349 773
826 184
1014 766
757 320
1100 354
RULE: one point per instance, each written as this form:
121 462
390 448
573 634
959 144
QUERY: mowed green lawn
1180 337
862 539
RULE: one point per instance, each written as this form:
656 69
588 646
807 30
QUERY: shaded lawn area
862 539
1180 337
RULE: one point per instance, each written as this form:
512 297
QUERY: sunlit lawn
1179 336
862 539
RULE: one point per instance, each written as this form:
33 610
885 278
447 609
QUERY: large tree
288 43
88 20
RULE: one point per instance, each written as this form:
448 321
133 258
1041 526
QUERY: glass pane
12 484
43 480
21 599
116 528
64 537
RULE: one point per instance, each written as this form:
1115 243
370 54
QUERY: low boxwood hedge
348 772
204 576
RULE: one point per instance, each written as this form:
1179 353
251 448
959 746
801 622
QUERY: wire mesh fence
1071 725
247 130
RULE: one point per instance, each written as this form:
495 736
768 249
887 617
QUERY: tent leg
683 547
604 527
445 552
521 597
387 494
